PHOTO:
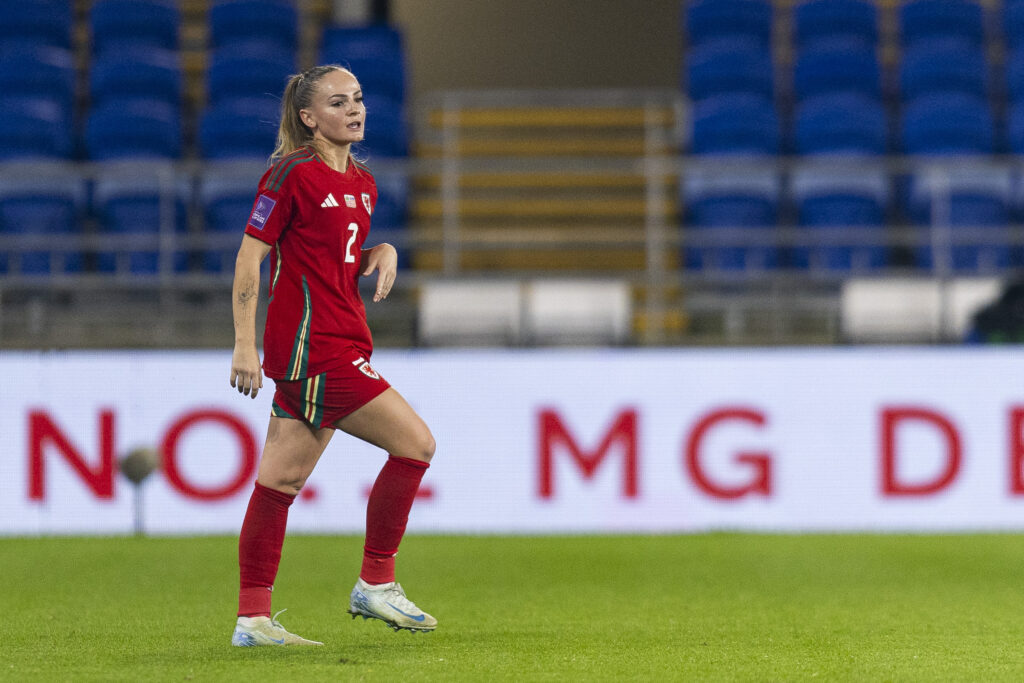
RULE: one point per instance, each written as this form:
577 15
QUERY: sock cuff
279 497
409 462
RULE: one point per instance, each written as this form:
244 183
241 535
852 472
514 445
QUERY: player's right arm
246 374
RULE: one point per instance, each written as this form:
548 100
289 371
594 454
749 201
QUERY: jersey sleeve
271 212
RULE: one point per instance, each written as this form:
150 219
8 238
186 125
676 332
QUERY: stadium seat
1015 74
732 209
838 66
43 208
1013 23
44 23
735 124
273 23
924 19
943 65
373 53
239 128
40 73
979 197
133 128
845 123
819 22
129 204
391 210
132 24
708 20
851 202
226 204
153 73
248 70
386 132
34 130
948 123
1015 127
730 66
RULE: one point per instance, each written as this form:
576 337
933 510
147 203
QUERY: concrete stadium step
431 208
569 247
553 117
539 146
540 180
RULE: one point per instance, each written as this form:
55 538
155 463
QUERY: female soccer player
312 210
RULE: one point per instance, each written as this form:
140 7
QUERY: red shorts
325 398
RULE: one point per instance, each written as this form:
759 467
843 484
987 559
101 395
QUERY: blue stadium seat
924 19
943 65
248 70
375 55
948 123
130 206
979 197
844 123
132 24
820 22
273 23
839 66
37 23
1015 74
386 132
133 128
747 204
33 129
708 20
239 129
40 73
1013 23
43 208
226 204
1015 127
730 66
392 206
153 73
851 202
735 124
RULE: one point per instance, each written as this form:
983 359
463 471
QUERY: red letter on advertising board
42 432
552 432
1016 450
759 462
891 418
246 441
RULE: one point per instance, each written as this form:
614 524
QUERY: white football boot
388 603
255 631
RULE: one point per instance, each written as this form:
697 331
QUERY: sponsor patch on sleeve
261 212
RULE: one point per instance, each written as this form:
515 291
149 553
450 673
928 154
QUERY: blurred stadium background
607 172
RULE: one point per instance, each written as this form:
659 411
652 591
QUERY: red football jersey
316 219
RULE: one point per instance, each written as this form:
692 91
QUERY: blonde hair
292 133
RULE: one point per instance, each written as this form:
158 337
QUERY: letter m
42 432
553 434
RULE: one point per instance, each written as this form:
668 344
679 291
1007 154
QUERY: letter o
246 468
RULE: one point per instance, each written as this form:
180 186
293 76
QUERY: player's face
337 113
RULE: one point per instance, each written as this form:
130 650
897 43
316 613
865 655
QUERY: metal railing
35 308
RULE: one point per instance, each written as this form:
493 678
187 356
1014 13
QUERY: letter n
42 432
553 433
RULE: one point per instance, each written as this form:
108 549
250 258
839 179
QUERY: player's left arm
384 259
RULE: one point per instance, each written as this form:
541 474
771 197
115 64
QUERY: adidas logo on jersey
329 202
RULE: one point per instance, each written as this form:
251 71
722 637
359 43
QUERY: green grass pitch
606 608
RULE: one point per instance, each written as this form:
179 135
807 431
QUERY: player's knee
428 446
422 447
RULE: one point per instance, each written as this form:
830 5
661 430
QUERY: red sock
259 549
387 513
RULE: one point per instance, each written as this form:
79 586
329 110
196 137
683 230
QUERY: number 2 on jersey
349 256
